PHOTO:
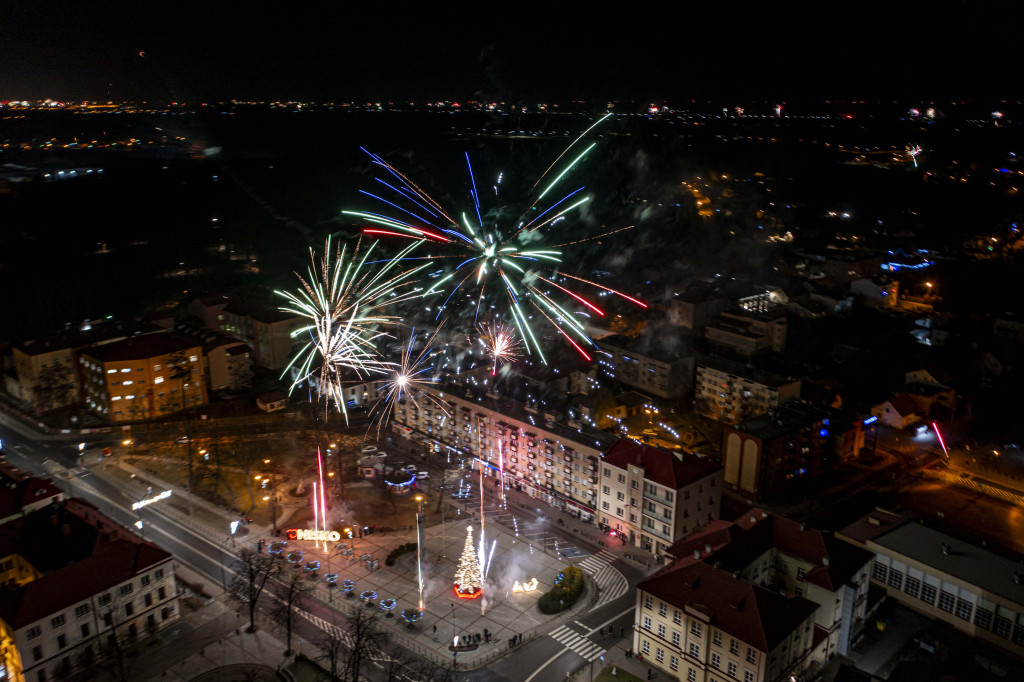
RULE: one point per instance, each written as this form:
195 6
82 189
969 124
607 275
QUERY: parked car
369 449
422 474
181 439
411 468
461 494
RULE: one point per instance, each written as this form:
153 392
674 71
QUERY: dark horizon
195 52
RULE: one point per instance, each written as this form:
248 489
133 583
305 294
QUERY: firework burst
500 342
407 379
497 254
344 301
913 151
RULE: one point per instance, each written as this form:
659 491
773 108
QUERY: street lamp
419 548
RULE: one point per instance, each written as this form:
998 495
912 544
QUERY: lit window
126 369
129 397
116 397
111 371
193 358
156 368
127 383
158 380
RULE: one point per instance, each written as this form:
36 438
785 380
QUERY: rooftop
980 567
746 371
142 347
735 545
18 490
72 339
664 468
787 418
80 551
750 613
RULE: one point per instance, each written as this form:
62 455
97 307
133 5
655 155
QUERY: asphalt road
542 659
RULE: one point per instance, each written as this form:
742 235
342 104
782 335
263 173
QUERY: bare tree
53 387
180 369
119 635
399 665
252 572
245 457
295 589
332 644
347 649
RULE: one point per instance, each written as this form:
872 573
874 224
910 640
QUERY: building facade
532 450
978 592
143 377
657 371
764 455
696 623
86 604
747 334
652 498
731 392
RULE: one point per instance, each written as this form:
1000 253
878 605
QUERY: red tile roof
752 614
905 405
18 491
833 562
660 466
80 551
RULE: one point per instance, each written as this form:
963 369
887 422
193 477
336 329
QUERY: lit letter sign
314 535
142 503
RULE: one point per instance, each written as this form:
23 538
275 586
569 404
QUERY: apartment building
732 392
660 366
976 591
143 377
265 328
794 560
747 333
533 450
697 623
652 498
45 373
95 590
764 455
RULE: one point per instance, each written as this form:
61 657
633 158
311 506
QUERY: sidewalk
210 642
615 661
502 613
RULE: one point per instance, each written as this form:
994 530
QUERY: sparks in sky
512 258
343 298
500 342
407 380
913 151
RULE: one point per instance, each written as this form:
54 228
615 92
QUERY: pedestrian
435 629
648 673
602 632
622 631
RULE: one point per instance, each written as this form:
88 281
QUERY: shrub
567 589
399 551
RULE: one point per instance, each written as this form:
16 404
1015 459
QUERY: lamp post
419 547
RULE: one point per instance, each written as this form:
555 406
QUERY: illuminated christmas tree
468 578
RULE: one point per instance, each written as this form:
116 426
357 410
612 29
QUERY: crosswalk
612 584
577 643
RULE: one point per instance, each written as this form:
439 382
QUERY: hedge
568 588
399 551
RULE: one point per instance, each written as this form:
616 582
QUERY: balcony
657 498
644 528
656 516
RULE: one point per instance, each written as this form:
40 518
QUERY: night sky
191 51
